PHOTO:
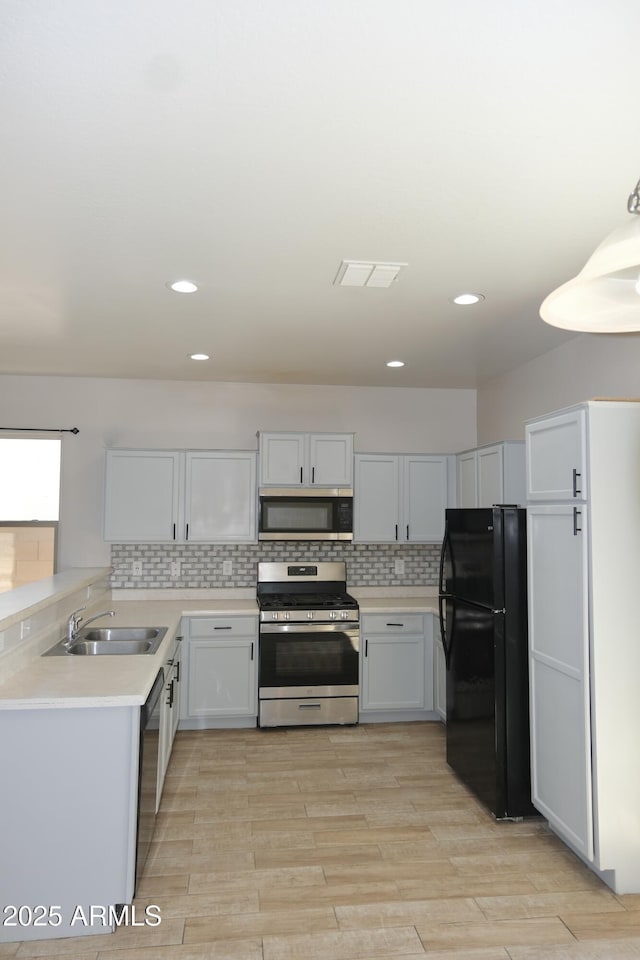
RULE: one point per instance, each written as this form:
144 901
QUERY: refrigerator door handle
445 540
443 633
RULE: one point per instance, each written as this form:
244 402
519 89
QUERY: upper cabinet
176 496
557 462
306 459
492 474
400 499
220 496
142 495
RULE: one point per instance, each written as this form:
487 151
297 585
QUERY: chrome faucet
74 621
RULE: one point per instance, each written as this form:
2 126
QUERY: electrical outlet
175 568
227 568
399 567
25 629
136 568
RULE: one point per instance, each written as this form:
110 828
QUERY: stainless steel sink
112 634
111 642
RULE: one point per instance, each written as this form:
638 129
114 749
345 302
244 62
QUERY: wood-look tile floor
350 844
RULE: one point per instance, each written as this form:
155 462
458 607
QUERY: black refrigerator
483 623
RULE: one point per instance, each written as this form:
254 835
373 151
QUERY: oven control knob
332 614
309 614
274 615
287 615
344 614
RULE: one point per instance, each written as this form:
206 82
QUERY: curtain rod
41 429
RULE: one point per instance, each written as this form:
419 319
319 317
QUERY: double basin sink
111 641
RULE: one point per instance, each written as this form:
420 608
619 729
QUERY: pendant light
605 296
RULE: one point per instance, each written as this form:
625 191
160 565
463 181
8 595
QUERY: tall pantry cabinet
583 516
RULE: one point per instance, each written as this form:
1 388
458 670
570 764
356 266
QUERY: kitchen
420 409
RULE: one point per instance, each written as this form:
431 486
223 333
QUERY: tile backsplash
189 565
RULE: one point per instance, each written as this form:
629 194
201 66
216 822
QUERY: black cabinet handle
300 474
177 676
174 531
576 514
576 490
170 700
252 650
187 533
366 647
407 531
222 628
395 624
396 531
313 474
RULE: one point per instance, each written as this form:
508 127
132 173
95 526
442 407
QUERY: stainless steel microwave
305 513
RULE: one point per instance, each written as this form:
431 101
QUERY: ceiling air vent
360 273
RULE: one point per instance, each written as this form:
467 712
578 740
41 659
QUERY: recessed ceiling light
182 286
467 298
395 363
199 356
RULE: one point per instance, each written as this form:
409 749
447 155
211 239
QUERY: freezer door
475 704
471 561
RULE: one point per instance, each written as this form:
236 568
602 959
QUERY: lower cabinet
221 675
396 666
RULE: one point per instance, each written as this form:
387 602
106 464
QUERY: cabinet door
222 678
556 457
425 498
392 673
559 670
142 491
330 460
221 497
282 459
467 465
490 476
376 499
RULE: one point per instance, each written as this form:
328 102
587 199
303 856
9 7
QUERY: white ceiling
251 145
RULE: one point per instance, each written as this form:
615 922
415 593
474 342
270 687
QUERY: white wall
590 365
182 415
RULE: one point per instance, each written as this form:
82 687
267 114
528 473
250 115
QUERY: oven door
302 660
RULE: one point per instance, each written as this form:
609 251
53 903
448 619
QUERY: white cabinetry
70 816
491 474
220 496
556 457
178 496
142 495
584 570
400 499
306 459
221 672
396 666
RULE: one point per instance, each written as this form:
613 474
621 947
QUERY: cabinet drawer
392 623
223 626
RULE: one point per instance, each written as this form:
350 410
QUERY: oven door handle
347 627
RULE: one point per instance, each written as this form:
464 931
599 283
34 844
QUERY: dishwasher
148 771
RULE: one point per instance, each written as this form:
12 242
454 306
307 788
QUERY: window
29 509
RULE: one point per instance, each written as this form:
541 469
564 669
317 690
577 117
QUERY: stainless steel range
308 662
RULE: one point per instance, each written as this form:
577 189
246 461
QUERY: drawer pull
222 628
395 624
309 706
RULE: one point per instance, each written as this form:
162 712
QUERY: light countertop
70 682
